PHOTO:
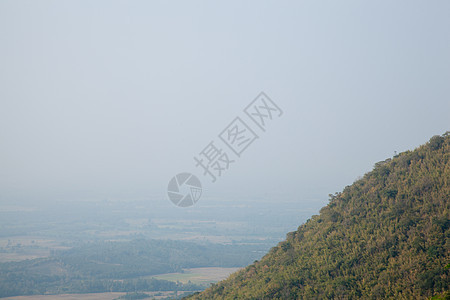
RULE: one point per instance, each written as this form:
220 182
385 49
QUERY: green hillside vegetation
385 236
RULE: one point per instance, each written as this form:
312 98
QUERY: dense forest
117 267
385 236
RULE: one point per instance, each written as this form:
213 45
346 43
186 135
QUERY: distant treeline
117 267
53 285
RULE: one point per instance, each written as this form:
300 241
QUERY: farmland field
90 296
198 275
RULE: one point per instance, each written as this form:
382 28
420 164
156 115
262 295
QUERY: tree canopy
384 236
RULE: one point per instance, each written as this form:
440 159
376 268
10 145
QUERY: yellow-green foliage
385 236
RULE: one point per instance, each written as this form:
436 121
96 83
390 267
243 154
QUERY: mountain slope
385 236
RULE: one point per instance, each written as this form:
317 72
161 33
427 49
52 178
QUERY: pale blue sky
112 98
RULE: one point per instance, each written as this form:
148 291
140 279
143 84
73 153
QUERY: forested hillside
385 236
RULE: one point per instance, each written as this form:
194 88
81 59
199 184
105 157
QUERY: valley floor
91 296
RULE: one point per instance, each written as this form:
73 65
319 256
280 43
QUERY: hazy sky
110 99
